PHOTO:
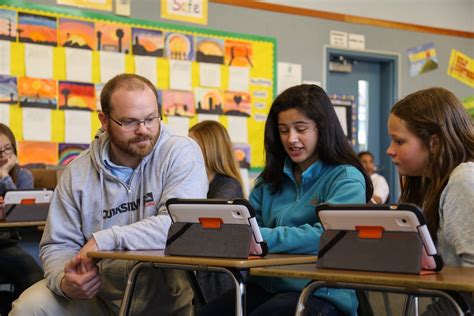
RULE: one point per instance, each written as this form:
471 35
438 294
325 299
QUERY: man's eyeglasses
6 151
132 125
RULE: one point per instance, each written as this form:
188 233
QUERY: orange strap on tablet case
28 201
370 232
210 222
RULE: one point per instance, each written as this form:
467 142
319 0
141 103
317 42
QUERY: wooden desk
449 279
232 267
38 224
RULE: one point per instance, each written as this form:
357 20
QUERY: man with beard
112 197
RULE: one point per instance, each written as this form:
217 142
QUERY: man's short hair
127 81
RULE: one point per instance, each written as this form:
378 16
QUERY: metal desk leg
240 304
411 304
132 277
309 289
240 291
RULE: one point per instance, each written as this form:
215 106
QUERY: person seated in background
381 189
222 167
432 146
112 197
17 267
225 182
308 162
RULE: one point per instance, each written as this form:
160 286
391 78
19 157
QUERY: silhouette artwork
237 103
8 25
36 29
209 101
38 93
147 42
209 50
238 53
179 46
178 103
76 96
113 37
76 34
8 89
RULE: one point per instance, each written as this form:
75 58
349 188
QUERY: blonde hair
216 147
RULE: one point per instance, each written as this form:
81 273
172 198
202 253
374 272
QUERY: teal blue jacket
288 219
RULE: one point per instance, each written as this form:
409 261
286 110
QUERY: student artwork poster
77 34
178 103
37 93
8 26
209 101
76 96
8 90
36 29
113 37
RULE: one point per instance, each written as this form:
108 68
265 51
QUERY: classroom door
373 81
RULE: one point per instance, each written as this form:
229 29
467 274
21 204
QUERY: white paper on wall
78 64
209 75
77 127
146 66
289 75
36 124
178 125
5 114
180 75
237 128
239 78
5 57
39 61
111 64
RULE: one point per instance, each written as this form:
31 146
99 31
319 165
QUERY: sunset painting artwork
8 90
242 154
113 37
68 152
36 29
76 96
237 103
35 92
209 101
209 50
238 53
147 42
178 103
179 46
8 25
76 34
34 152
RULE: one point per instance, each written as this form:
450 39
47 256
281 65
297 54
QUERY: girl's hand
7 166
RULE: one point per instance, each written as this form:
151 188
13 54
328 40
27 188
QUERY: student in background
225 182
433 149
381 189
112 197
17 267
308 161
222 167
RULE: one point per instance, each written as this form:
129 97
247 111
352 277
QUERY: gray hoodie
90 201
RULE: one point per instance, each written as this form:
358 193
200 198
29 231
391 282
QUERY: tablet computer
237 211
393 218
27 205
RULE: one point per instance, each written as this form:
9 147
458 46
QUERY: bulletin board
54 62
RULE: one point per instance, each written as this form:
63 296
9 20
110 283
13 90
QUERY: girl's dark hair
333 147
427 113
5 130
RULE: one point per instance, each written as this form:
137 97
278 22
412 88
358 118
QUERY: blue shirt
288 220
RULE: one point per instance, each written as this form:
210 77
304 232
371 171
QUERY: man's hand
81 279
78 285
86 262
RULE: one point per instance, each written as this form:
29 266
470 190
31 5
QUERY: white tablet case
27 205
231 214
398 222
